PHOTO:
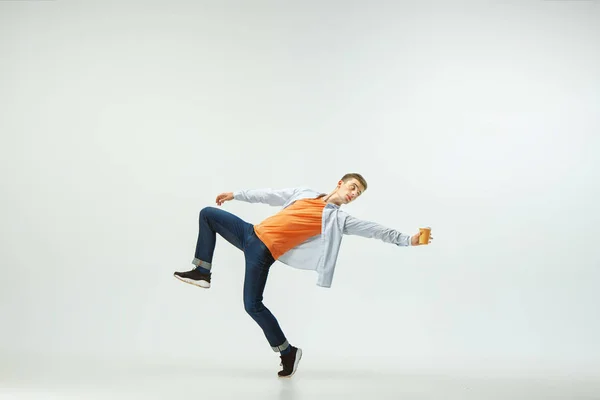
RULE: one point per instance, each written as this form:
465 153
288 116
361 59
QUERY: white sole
296 362
202 284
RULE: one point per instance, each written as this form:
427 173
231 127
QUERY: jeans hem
281 347
199 263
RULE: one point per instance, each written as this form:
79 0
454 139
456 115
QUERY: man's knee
207 211
252 307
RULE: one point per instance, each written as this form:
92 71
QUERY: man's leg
258 262
212 221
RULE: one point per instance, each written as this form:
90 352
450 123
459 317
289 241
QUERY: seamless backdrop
121 120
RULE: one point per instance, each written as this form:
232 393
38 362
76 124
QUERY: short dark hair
356 176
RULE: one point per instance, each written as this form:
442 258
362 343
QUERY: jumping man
306 234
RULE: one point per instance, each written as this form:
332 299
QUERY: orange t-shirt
291 226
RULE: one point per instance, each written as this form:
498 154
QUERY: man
305 234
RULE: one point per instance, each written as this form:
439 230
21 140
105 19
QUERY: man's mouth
348 198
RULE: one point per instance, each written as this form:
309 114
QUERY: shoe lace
285 359
282 360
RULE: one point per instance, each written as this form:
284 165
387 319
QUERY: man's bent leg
212 221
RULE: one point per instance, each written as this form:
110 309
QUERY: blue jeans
258 261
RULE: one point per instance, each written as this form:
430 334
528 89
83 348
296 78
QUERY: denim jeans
258 262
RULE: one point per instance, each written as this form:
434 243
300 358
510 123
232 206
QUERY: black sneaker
289 362
194 277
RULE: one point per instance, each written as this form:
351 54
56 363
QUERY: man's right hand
223 197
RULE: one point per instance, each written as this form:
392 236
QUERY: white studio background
121 121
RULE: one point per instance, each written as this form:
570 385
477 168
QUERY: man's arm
368 229
273 197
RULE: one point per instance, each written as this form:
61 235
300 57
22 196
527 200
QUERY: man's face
349 190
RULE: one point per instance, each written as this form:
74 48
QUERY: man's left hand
414 240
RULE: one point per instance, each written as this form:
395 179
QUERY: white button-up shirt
319 253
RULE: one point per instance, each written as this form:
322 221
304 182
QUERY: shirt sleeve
368 229
273 197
